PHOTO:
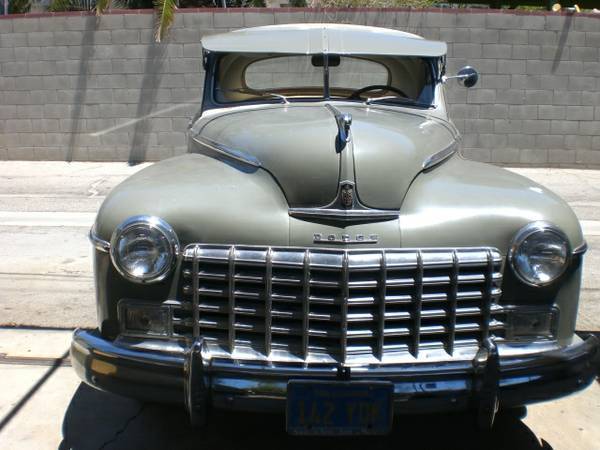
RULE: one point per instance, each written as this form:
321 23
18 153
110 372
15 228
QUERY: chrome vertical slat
344 306
382 295
305 304
453 294
268 299
231 298
195 294
487 297
417 305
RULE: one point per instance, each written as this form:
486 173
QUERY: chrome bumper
418 388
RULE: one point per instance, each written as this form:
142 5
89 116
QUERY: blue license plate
339 407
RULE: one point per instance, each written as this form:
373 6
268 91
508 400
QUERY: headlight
143 249
539 254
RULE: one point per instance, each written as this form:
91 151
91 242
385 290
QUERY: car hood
297 145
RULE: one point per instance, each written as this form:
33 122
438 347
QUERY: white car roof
315 38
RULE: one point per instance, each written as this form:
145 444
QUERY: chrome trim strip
99 244
234 154
347 215
440 156
582 249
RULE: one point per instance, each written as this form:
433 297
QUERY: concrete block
475 20
111 22
591 157
504 21
7 54
561 156
479 126
539 97
546 37
454 35
493 111
185 65
513 36
477 154
468 51
126 36
584 53
440 19
495 81
566 97
502 51
138 20
583 23
553 82
569 68
592 38
26 24
12 40
186 35
581 83
511 67
533 156
492 141
575 38
8 111
254 19
483 36
198 20
481 96
42 68
511 96
508 126
505 155
596 142
18 126
536 126
28 83
41 39
6 26
526 52
589 128
564 127
551 112
22 54
591 68
522 111
548 141
580 113
294 17
577 142
29 112
228 19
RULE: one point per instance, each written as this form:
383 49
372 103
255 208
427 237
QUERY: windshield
243 78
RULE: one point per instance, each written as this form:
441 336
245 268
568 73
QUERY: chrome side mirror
466 77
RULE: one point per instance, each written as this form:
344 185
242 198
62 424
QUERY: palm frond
165 15
102 6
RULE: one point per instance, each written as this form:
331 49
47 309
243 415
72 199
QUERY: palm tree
164 10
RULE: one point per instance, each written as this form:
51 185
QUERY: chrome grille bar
339 304
305 302
418 304
344 306
268 300
453 294
382 296
231 299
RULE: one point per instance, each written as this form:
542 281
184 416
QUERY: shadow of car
99 420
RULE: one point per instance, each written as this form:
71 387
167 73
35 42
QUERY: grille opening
327 295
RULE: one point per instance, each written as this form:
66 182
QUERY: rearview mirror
466 77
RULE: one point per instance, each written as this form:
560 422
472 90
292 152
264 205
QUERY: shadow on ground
97 420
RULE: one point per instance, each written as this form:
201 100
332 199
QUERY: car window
244 77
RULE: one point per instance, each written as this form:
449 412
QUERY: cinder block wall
77 87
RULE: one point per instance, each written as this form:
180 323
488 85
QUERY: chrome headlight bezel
152 223
525 233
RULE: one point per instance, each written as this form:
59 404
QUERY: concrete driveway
46 289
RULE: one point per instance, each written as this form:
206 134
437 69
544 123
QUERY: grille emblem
347 196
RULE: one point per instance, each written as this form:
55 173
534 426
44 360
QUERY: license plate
339 407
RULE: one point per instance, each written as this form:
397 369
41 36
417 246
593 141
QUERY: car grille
335 303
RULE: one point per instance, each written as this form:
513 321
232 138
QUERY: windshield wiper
397 99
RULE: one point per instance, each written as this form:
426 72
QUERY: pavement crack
121 430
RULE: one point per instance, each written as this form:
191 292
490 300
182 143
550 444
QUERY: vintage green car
324 250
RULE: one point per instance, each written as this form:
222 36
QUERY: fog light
144 319
531 324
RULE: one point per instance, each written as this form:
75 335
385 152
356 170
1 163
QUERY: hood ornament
347 196
344 122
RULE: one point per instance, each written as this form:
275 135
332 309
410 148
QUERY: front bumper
418 388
